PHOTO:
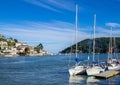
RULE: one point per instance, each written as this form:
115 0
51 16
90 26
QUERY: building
10 40
21 48
3 45
1 36
10 52
20 44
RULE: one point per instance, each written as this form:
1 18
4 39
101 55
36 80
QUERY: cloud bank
55 35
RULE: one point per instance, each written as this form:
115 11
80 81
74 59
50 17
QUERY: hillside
12 47
101 46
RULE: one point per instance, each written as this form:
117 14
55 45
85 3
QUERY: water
48 70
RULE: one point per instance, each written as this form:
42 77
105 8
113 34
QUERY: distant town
10 47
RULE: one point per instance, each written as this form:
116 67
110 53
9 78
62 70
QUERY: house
20 44
1 36
10 52
3 45
10 40
21 48
32 51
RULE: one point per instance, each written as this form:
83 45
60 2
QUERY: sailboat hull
93 70
77 70
113 67
113 64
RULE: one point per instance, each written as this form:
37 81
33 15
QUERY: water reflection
77 79
82 79
92 79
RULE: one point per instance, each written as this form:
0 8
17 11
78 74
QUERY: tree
101 46
39 47
16 40
27 50
2 39
11 43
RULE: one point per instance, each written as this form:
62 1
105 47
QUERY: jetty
107 74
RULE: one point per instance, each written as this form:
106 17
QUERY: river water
47 70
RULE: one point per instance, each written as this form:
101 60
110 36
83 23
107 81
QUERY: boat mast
111 48
94 36
114 46
115 49
110 45
76 27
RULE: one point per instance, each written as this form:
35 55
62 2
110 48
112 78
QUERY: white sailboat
94 68
112 63
78 68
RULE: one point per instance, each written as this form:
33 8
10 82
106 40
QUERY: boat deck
107 74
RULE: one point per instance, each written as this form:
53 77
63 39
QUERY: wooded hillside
101 46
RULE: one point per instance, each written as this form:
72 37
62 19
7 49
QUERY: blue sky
52 22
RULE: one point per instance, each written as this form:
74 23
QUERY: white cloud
113 24
68 5
55 35
54 5
42 4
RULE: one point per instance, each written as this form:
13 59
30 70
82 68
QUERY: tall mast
114 47
110 44
111 36
111 47
94 36
76 27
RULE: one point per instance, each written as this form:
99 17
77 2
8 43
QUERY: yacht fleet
95 67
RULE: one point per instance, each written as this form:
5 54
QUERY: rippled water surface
47 70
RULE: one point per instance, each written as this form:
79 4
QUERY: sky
52 22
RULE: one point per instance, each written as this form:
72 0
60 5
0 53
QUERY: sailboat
112 63
94 68
77 69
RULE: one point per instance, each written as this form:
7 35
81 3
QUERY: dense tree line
101 46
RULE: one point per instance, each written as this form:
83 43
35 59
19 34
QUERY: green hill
101 46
